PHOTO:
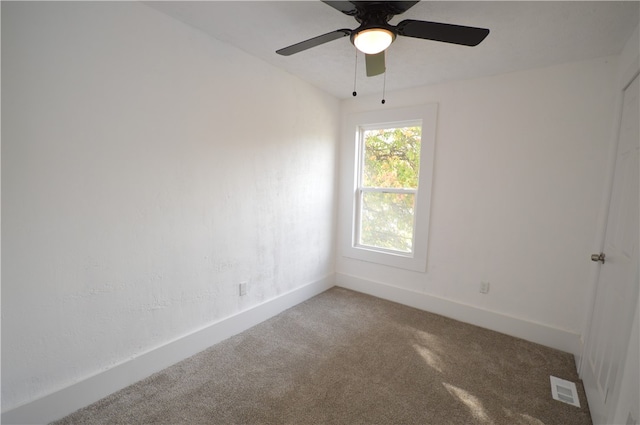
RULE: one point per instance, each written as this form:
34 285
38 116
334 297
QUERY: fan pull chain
355 74
384 86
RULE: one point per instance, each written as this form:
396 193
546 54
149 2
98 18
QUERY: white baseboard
535 332
67 400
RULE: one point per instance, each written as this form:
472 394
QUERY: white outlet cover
484 287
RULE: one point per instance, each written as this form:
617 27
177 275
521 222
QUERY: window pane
391 157
386 220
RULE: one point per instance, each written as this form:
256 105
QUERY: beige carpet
348 358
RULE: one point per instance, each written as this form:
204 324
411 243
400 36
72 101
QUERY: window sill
409 261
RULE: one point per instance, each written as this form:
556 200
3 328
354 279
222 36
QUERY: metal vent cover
564 391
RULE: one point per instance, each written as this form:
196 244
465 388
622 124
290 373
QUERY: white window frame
388 118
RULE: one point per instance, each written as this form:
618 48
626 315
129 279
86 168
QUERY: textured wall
146 171
520 161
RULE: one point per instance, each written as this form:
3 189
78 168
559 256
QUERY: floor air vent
564 391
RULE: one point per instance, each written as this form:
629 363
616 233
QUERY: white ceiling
524 34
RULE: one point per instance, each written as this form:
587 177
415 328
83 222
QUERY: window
391 157
388 169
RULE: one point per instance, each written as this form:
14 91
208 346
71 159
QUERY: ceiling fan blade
448 33
313 42
375 64
345 7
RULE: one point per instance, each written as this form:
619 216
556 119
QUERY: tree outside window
388 184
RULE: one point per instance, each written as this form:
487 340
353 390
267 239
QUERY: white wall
146 170
519 170
628 61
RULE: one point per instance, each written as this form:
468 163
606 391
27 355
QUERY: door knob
598 257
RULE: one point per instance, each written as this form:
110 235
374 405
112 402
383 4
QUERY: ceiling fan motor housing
375 15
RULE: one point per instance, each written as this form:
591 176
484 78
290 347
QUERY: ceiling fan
375 33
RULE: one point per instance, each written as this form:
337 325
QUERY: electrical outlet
243 288
484 287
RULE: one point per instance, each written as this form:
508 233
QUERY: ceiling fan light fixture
373 40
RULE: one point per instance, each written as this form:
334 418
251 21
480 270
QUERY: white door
616 296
